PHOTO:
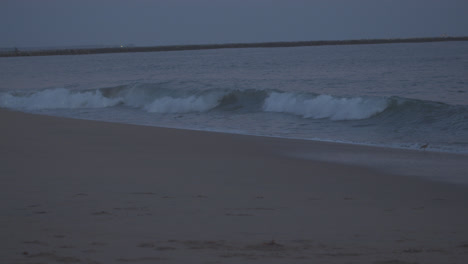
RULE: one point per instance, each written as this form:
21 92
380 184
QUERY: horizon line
275 44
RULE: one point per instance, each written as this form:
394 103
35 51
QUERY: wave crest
182 105
324 106
59 98
155 99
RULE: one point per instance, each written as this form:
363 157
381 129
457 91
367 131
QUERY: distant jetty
84 51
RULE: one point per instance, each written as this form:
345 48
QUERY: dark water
397 95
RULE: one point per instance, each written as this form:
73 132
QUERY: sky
54 23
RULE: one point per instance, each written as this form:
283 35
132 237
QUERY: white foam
324 106
56 99
61 98
192 103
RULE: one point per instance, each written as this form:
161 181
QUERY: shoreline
86 51
95 192
370 160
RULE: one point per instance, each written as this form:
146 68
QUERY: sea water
393 95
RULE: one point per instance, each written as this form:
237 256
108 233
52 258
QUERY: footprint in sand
145 259
165 248
51 256
239 215
146 245
98 244
394 261
35 242
101 213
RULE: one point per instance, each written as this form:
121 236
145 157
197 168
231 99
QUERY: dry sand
75 191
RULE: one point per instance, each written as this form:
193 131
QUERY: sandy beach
77 191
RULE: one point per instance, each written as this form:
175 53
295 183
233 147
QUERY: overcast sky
42 23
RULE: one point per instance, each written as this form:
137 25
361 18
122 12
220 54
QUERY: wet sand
93 192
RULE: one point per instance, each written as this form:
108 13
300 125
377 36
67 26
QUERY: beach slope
77 191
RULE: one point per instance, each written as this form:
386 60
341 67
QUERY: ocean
392 95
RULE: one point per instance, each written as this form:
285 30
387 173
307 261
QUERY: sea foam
59 98
324 106
192 103
153 100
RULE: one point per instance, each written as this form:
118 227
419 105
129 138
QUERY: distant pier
18 52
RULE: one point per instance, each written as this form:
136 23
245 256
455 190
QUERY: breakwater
18 52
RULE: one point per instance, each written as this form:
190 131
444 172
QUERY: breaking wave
55 99
153 99
182 105
325 106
